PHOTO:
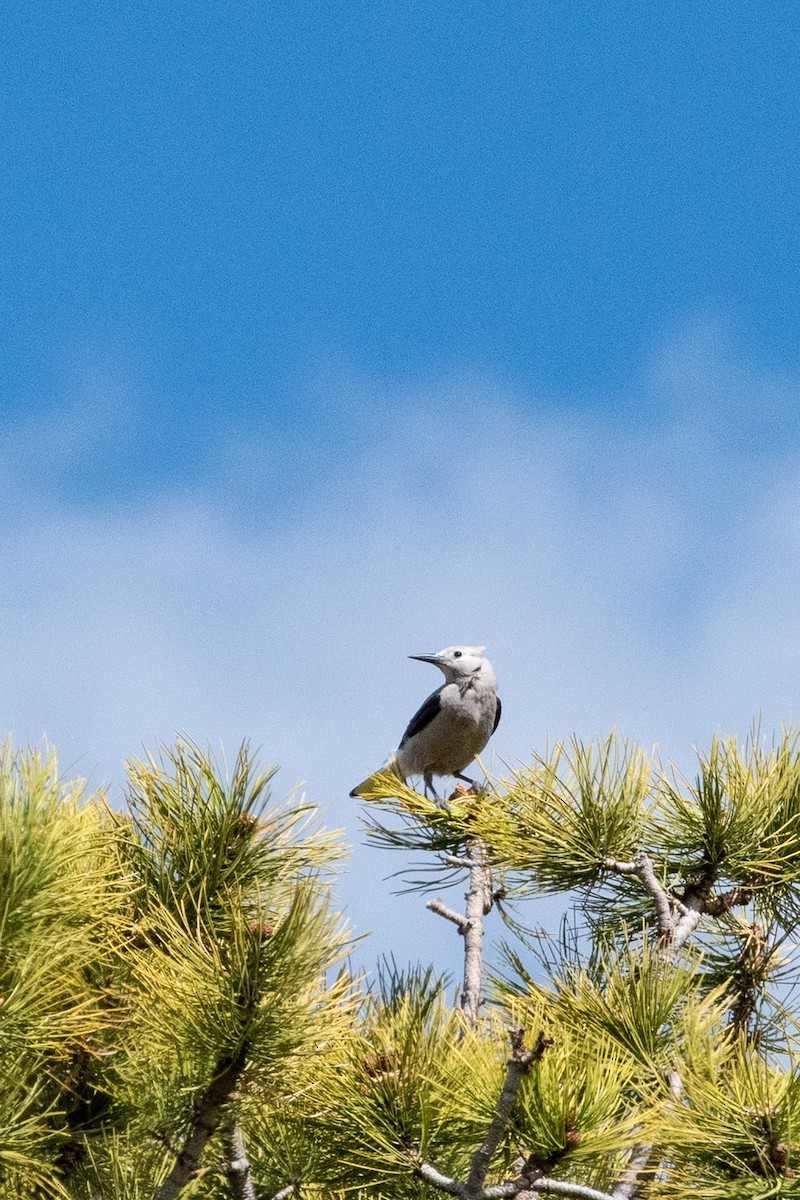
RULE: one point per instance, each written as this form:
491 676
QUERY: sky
336 333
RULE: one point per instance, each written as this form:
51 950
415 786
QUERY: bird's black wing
423 716
497 712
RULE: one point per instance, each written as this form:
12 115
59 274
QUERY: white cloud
637 570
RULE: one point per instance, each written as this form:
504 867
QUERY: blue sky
334 333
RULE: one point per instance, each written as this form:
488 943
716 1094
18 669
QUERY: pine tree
175 1019
164 971
654 1044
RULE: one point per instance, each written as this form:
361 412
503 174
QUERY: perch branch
479 902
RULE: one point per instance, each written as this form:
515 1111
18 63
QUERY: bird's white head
459 662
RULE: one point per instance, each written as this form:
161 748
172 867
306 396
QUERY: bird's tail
392 767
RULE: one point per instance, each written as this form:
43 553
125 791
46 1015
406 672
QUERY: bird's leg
429 787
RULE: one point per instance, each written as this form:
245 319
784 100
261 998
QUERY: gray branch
687 923
479 902
642 867
449 914
239 1169
518 1066
525 1187
618 866
661 899
672 933
521 1189
556 1187
443 1182
638 1161
675 1083
207 1116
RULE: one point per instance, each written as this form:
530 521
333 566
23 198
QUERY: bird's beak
431 658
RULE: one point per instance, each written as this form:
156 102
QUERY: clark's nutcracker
455 722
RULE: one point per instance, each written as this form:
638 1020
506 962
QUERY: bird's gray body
455 722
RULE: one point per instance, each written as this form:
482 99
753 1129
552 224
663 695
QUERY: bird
453 725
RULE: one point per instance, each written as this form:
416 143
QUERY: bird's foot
473 789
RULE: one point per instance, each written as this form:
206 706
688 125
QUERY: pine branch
642 867
553 1187
518 1066
637 1163
717 906
442 910
238 1167
443 1182
748 976
697 901
522 1189
208 1114
677 919
673 934
686 925
479 903
660 896
470 924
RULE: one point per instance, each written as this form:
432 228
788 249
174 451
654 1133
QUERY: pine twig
660 896
479 900
673 933
687 923
441 910
749 974
474 1189
442 1183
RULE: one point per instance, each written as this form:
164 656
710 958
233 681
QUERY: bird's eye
456 654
